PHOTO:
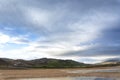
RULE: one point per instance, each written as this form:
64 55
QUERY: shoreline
49 73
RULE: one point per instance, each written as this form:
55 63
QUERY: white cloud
38 17
4 38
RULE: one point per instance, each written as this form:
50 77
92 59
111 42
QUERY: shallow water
70 78
90 71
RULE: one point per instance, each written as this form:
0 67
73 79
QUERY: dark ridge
40 63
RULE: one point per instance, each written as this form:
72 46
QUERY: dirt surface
38 73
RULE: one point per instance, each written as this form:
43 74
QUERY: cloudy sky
82 30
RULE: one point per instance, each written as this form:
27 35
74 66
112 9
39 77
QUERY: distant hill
3 62
113 60
58 63
110 62
53 63
39 63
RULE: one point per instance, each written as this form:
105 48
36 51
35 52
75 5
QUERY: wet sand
108 72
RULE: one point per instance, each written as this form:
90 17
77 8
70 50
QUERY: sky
83 30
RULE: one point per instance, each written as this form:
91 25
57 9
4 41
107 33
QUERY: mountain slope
3 62
110 62
45 62
39 63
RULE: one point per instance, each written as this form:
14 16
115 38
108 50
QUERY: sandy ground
109 72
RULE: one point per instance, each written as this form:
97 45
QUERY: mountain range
53 63
39 63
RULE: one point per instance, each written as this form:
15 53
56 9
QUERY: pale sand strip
1 76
